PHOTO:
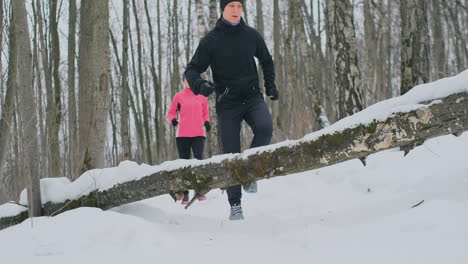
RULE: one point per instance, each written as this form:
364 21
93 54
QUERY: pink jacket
193 112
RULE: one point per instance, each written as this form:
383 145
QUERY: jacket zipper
225 93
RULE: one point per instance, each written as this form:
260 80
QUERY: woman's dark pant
186 145
255 112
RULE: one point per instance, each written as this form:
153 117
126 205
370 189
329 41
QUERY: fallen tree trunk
404 130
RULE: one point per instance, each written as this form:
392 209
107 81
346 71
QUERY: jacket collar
225 27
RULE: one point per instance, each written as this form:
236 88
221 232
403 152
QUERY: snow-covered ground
345 213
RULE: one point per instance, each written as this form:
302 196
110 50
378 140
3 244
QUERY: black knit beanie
224 3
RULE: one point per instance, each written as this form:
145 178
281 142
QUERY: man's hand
174 122
272 93
206 88
207 125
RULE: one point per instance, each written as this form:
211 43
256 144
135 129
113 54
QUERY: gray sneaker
252 188
236 212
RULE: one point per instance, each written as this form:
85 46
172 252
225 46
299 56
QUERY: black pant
255 112
187 144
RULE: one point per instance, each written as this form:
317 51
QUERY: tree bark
94 78
158 119
277 58
214 5
440 59
48 83
414 44
72 116
56 107
124 119
8 105
372 53
347 79
27 107
135 105
460 34
201 24
144 103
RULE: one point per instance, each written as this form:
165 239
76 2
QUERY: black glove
175 122
207 125
273 93
206 88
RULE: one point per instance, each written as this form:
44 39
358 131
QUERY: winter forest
87 84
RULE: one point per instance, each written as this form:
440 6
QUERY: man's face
233 12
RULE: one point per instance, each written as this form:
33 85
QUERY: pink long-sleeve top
193 112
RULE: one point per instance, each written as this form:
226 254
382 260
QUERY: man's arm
267 64
198 65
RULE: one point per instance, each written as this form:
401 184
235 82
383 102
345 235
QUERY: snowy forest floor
345 213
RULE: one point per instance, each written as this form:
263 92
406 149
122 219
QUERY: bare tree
372 53
94 78
48 82
72 117
201 23
459 34
414 44
213 12
124 117
144 102
278 70
39 92
347 75
56 107
27 105
8 104
440 65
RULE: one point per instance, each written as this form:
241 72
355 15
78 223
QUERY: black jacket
230 51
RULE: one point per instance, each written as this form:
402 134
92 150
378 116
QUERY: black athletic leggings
186 145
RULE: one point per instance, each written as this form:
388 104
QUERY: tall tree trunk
347 79
188 47
390 51
72 118
94 78
260 28
278 132
39 92
440 59
144 102
315 73
201 24
135 105
55 108
175 48
48 82
414 44
175 74
114 152
372 54
330 96
124 118
8 105
27 107
158 119
290 75
460 47
2 16
214 5
159 100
